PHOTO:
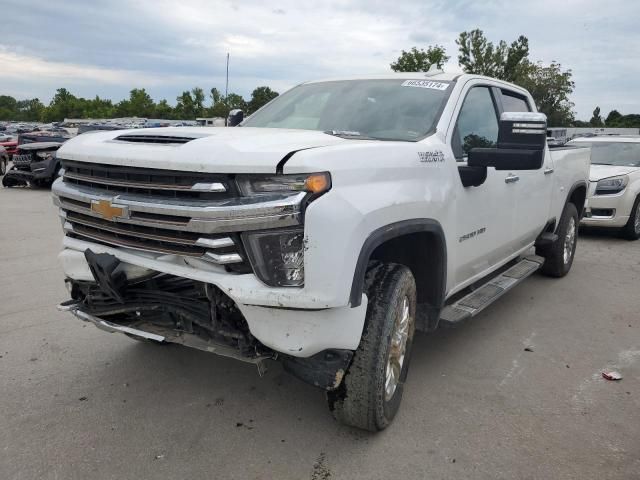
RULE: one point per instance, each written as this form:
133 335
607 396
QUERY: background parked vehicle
10 145
33 164
614 192
4 161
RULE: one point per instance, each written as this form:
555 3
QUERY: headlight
315 183
609 186
44 155
277 256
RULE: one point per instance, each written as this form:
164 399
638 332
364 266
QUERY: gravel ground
79 403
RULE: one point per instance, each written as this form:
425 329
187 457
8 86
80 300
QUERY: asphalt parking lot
79 403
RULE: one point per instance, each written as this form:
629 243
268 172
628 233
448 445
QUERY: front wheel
631 230
559 256
371 391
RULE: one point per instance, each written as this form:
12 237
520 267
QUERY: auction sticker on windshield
425 84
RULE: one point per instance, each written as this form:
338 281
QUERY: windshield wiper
349 134
596 163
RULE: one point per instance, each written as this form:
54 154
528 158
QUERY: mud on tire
364 399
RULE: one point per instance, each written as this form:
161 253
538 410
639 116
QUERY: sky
106 48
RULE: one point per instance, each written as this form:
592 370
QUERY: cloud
109 47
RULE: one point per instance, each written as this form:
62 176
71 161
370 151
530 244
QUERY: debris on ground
611 375
528 349
159 457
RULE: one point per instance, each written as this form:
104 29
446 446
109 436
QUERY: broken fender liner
325 369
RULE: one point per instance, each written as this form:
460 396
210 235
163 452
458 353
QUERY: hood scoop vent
155 139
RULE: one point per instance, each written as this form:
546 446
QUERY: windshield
621 154
358 109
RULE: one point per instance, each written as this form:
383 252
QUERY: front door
485 214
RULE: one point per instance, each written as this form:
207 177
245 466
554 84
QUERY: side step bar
472 304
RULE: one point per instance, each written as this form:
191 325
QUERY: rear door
531 190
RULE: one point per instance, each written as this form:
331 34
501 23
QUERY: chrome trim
209 187
113 228
511 178
215 242
222 259
198 187
199 225
227 209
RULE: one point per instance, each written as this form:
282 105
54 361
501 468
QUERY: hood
197 149
39 145
598 172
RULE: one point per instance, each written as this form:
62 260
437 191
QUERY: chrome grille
146 181
22 159
221 249
152 212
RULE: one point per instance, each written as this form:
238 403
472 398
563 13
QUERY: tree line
189 105
549 84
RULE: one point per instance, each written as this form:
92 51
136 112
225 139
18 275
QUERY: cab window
477 124
512 102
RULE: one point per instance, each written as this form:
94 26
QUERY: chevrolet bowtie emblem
108 211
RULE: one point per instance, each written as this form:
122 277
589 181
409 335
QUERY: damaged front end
33 164
164 308
168 308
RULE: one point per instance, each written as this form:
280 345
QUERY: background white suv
614 190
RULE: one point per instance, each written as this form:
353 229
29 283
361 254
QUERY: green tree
185 106
596 119
215 96
29 110
613 118
260 97
479 56
163 110
550 87
63 105
234 100
418 60
198 101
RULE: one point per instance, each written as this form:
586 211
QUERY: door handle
511 178
548 171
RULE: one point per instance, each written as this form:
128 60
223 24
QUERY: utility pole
226 88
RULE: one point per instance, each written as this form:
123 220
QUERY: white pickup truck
324 229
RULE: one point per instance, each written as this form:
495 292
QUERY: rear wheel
559 256
632 229
370 394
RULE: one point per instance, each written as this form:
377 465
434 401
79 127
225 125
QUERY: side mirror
522 138
235 117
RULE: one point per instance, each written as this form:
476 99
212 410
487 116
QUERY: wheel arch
420 245
578 196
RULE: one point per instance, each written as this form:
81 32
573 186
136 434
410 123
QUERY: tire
559 256
3 166
363 399
631 230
